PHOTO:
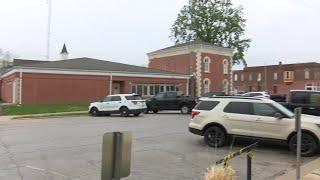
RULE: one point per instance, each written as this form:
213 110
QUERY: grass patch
43 108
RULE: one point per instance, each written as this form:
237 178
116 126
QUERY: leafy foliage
214 21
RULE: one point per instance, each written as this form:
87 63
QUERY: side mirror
278 116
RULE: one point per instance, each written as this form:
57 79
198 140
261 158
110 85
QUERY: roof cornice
195 47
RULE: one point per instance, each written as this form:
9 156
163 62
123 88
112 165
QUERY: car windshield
134 97
283 109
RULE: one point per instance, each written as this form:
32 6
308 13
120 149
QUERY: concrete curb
309 171
73 113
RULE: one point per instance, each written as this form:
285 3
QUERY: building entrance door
115 88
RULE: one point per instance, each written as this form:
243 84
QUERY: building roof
88 64
197 44
64 49
291 65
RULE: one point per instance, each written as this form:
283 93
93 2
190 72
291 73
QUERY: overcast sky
125 30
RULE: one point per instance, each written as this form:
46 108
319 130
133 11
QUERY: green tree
213 21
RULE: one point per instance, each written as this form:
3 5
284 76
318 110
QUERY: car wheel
215 136
308 144
136 114
124 112
155 111
184 109
94 112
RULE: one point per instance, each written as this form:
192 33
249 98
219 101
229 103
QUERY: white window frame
259 77
206 82
206 64
225 86
225 66
250 77
235 77
307 73
275 76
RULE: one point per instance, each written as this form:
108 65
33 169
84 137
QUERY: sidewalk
309 171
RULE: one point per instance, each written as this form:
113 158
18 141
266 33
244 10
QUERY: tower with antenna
48 30
64 52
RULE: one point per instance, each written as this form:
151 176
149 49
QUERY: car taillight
194 114
135 102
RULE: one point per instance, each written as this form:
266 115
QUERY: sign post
116 155
297 112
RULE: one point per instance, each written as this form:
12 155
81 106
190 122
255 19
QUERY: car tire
211 134
155 111
184 109
94 112
124 112
136 114
309 145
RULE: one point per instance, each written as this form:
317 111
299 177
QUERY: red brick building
82 80
209 66
278 79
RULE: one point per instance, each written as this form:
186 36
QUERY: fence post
249 158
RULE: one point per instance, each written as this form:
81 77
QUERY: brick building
278 79
82 80
210 66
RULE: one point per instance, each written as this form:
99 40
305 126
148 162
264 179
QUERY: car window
315 99
264 109
134 97
159 96
300 98
206 105
238 108
107 99
171 94
115 98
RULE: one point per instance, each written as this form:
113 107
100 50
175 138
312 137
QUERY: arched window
206 62
206 85
307 74
225 86
225 66
235 77
259 77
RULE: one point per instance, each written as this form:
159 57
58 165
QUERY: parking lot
70 148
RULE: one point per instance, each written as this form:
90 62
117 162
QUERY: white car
217 118
256 94
123 104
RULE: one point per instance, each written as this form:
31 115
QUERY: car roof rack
236 97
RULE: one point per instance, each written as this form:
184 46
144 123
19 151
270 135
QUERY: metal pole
49 30
248 166
117 155
298 129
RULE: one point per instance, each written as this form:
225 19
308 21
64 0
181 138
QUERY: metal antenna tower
49 29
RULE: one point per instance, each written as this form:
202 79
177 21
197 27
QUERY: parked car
279 97
308 100
211 94
219 117
261 94
123 104
171 101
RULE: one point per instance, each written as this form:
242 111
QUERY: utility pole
49 29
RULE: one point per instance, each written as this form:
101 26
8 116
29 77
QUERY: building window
307 74
250 76
259 77
288 76
206 85
275 76
242 77
225 86
225 66
310 87
152 89
206 62
236 77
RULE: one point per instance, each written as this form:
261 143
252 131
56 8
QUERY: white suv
218 117
123 104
